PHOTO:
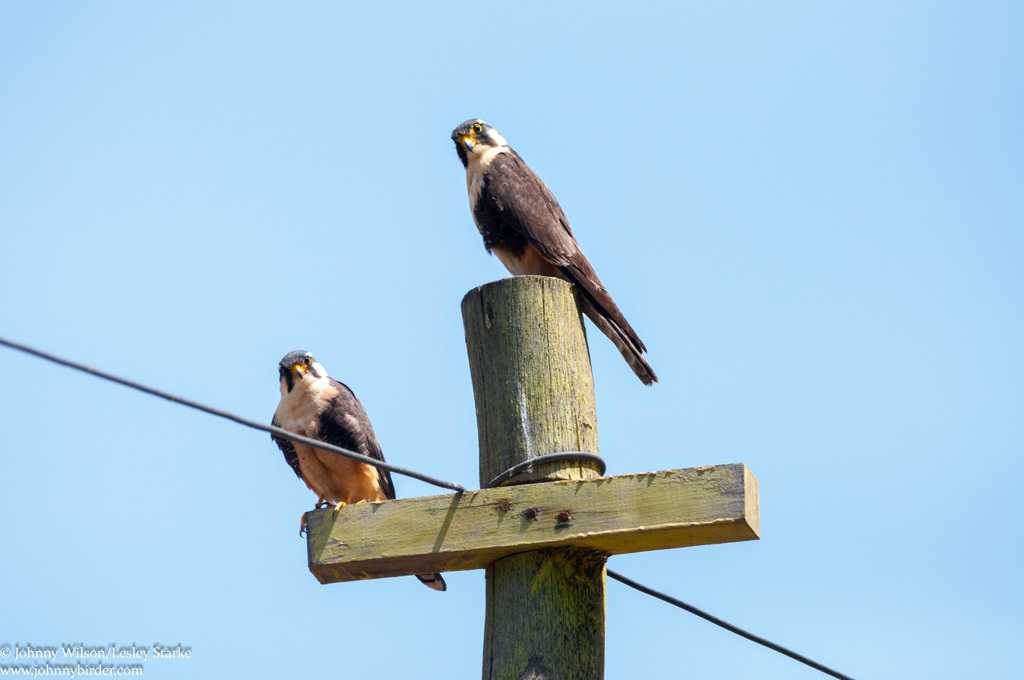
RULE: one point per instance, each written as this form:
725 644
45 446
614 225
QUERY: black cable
323 446
547 458
568 455
728 626
429 480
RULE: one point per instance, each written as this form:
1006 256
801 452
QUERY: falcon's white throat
479 161
309 396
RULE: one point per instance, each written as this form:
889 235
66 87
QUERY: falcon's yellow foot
320 503
338 507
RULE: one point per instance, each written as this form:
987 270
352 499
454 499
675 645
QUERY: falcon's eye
477 128
308 359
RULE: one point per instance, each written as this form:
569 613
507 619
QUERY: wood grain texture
610 515
532 381
534 395
545 616
544 544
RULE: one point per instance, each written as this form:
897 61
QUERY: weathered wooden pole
544 530
534 395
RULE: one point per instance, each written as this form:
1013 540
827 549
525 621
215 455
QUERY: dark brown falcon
523 225
319 407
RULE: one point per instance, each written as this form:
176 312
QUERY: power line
415 475
531 463
277 431
725 624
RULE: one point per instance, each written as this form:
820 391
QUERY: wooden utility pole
544 534
534 396
530 364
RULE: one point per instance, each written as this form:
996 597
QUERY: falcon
317 406
523 224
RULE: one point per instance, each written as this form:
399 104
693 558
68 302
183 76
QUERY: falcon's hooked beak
468 136
294 367
291 372
470 133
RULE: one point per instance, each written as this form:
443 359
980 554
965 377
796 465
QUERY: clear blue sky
813 215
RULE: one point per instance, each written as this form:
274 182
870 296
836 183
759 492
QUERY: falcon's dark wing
527 205
288 449
344 423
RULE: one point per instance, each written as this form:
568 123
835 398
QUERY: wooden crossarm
614 515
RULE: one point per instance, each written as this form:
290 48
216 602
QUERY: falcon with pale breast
522 223
317 406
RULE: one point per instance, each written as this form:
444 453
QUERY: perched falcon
319 407
523 225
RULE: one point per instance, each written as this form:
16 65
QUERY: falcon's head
299 368
473 138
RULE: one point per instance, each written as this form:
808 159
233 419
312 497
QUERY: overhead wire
272 429
279 432
726 625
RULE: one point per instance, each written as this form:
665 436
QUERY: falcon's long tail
434 582
629 350
602 310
